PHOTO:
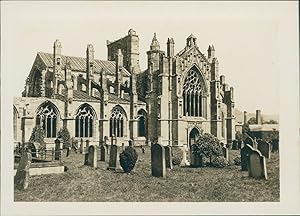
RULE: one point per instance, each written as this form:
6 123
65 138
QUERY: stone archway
193 136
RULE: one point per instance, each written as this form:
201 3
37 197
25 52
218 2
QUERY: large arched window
47 118
84 121
142 117
116 122
194 101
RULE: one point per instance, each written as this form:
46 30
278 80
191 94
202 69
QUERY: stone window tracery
84 121
117 122
47 118
194 100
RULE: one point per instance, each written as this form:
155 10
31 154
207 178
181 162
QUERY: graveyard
181 184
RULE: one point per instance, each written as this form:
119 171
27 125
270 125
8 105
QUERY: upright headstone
275 145
22 176
168 157
102 153
265 148
225 152
158 161
57 150
245 151
123 146
234 145
257 165
81 146
91 157
196 159
114 158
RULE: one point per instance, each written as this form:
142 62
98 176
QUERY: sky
245 36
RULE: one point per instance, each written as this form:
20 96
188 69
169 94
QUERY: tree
252 121
37 136
128 159
64 134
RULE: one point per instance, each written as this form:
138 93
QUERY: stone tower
129 46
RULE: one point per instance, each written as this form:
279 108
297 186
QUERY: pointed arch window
84 121
116 122
194 100
47 118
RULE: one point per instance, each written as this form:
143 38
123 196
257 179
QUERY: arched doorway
193 136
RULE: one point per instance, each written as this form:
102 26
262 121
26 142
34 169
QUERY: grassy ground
83 183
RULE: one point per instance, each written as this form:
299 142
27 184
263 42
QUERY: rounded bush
128 159
177 156
219 162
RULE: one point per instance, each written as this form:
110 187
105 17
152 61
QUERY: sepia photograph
149 107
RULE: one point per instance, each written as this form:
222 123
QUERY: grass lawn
83 183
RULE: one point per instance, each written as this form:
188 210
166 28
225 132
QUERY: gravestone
196 159
225 152
33 150
275 145
265 148
57 150
245 151
123 146
168 157
234 145
81 146
257 165
102 153
114 158
22 176
249 141
158 161
184 161
91 157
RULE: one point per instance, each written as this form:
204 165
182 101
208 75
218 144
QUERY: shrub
219 162
65 136
237 161
208 146
177 156
38 136
128 159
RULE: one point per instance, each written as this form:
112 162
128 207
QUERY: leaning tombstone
158 162
57 150
91 157
225 152
265 148
196 159
22 176
245 151
257 165
168 157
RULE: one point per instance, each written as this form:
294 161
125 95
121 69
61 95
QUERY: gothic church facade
177 98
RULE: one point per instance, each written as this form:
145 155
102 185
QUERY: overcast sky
245 36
